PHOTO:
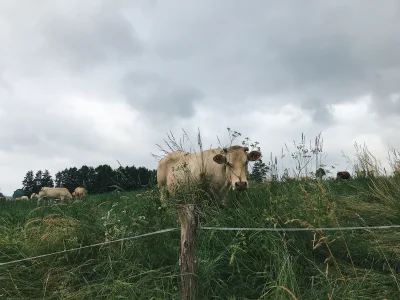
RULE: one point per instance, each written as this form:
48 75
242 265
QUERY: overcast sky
91 82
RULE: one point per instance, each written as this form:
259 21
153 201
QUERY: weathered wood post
188 233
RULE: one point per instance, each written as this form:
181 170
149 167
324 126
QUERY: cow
18 199
227 167
34 196
79 192
24 198
54 193
343 175
3 199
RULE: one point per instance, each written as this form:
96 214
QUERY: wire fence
206 228
301 229
89 246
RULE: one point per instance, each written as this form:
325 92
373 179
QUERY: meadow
357 264
317 264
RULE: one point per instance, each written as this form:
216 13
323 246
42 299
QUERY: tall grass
229 265
339 264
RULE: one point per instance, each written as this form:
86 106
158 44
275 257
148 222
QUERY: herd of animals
227 167
52 193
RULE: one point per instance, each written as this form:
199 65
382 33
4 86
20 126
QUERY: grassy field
358 264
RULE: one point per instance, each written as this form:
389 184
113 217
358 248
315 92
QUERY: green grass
228 265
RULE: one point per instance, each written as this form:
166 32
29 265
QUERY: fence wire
206 228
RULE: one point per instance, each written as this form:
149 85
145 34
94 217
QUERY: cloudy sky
91 82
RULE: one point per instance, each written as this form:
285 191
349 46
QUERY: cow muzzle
240 185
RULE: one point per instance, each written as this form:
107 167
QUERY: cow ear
253 155
219 159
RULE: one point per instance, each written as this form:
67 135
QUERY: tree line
97 180
103 179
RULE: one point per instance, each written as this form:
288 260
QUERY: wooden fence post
188 233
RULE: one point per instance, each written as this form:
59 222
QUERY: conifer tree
28 184
47 180
259 171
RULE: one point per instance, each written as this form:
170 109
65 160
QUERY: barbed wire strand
206 228
90 246
300 229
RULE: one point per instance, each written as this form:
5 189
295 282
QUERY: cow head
236 159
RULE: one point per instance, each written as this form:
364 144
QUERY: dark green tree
59 179
100 179
145 177
72 179
18 193
68 178
126 178
132 178
38 181
84 174
28 184
47 180
104 178
259 171
320 173
87 178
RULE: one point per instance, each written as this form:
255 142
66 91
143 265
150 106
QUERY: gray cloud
315 50
94 81
34 129
88 39
319 109
323 59
156 95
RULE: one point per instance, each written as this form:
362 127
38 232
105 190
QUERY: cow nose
242 185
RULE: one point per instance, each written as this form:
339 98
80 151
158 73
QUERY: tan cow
24 198
18 199
3 199
54 193
34 196
228 169
79 192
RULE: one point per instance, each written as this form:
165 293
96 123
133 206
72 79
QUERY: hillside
229 265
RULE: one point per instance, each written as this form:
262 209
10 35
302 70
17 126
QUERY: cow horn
246 149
